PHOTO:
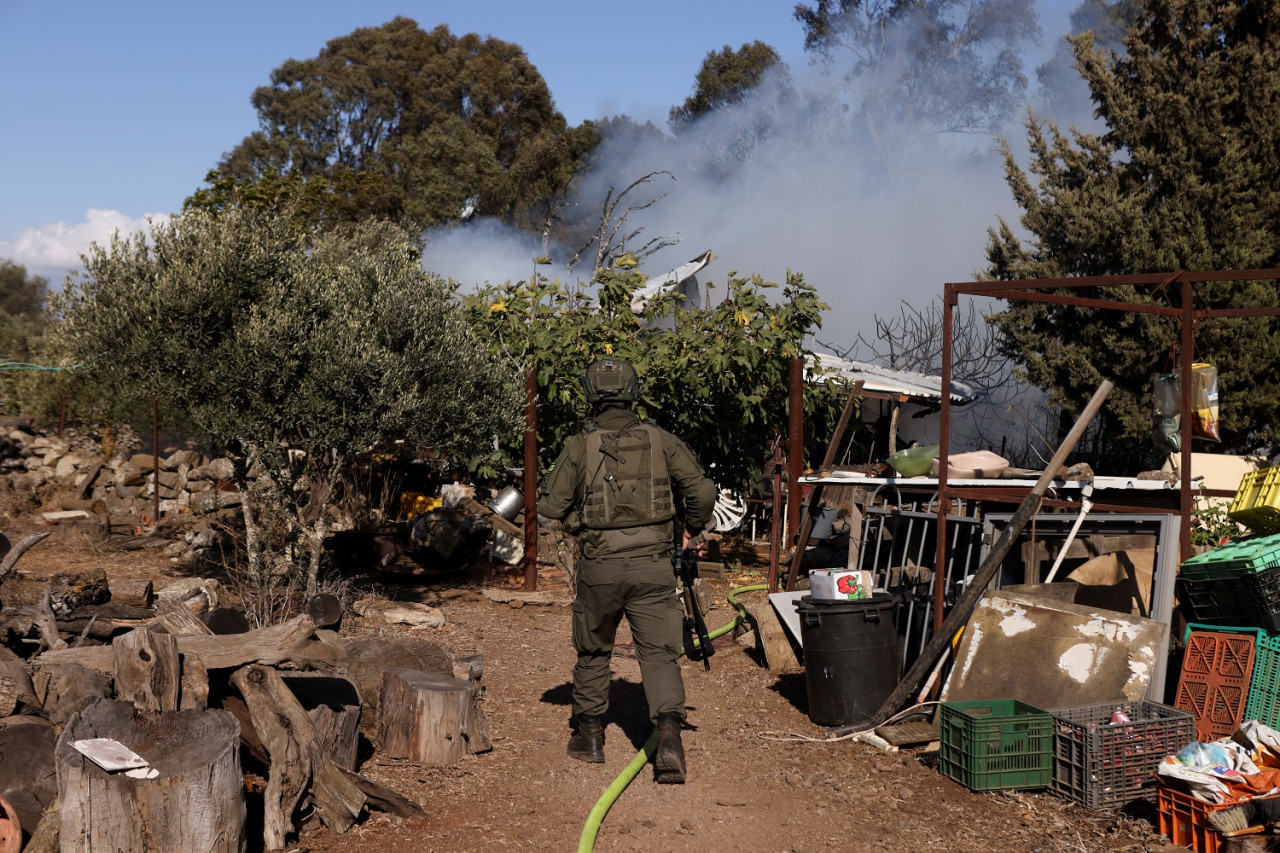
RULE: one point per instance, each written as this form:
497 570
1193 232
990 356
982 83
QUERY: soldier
617 483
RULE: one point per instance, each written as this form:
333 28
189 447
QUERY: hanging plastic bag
1204 402
1166 420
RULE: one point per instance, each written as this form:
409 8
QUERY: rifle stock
685 562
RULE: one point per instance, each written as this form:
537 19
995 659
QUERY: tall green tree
1186 176
297 352
403 124
22 328
717 377
916 67
726 77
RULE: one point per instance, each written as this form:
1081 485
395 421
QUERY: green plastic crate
1264 689
996 745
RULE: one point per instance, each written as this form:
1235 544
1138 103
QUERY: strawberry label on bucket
839 585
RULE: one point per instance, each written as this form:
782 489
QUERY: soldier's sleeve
694 487
560 487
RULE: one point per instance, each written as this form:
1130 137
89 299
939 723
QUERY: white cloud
51 250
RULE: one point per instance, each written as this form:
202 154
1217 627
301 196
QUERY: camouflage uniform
628 572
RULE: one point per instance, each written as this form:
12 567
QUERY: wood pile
128 724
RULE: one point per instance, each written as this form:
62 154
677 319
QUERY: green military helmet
610 380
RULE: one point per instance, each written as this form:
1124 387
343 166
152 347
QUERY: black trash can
852 655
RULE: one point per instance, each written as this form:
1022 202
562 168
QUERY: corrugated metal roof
921 386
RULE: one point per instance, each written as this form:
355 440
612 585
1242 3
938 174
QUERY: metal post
1184 426
795 444
155 456
775 519
940 578
531 482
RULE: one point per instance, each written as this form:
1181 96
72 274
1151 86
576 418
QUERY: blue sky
115 111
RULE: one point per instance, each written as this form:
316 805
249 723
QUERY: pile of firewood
133 726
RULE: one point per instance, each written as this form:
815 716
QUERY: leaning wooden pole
915 677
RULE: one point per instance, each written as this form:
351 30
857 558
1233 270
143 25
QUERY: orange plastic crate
1186 820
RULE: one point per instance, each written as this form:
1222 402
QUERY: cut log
193 692
135 592
430 718
333 704
63 689
298 765
18 689
78 589
28 779
288 641
195 803
175 618
148 671
368 657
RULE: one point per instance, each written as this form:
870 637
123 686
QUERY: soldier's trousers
643 590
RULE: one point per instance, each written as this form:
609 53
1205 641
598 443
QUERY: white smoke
782 182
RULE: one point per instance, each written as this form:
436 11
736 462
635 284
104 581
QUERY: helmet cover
610 380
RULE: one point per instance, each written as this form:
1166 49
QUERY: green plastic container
914 461
996 745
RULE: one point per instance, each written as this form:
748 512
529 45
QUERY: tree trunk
28 780
195 803
430 718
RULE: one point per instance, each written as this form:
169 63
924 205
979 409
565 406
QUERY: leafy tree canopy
725 78
716 377
403 124
333 345
1186 176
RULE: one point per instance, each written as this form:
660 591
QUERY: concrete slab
1054 654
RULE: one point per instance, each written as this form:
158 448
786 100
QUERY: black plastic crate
1251 599
1105 765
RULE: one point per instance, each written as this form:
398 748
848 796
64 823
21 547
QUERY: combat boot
587 741
668 761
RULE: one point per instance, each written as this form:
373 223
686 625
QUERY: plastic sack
1204 402
1166 398
1165 415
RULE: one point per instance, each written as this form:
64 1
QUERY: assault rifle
685 562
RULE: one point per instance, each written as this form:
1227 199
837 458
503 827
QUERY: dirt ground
761 777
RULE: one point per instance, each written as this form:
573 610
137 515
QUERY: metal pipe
155 456
944 453
1184 427
795 443
775 519
531 482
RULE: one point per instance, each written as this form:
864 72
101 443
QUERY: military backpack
627 483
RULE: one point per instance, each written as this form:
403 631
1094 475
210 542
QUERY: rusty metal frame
1033 290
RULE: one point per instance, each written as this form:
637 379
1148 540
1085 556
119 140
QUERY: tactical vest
627 484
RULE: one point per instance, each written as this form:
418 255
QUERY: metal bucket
507 503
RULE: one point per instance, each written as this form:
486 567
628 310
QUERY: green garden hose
587 841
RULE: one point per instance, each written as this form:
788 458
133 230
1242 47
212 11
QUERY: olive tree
296 351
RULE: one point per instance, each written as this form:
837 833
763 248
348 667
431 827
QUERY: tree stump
148 669
333 704
430 718
195 803
27 775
